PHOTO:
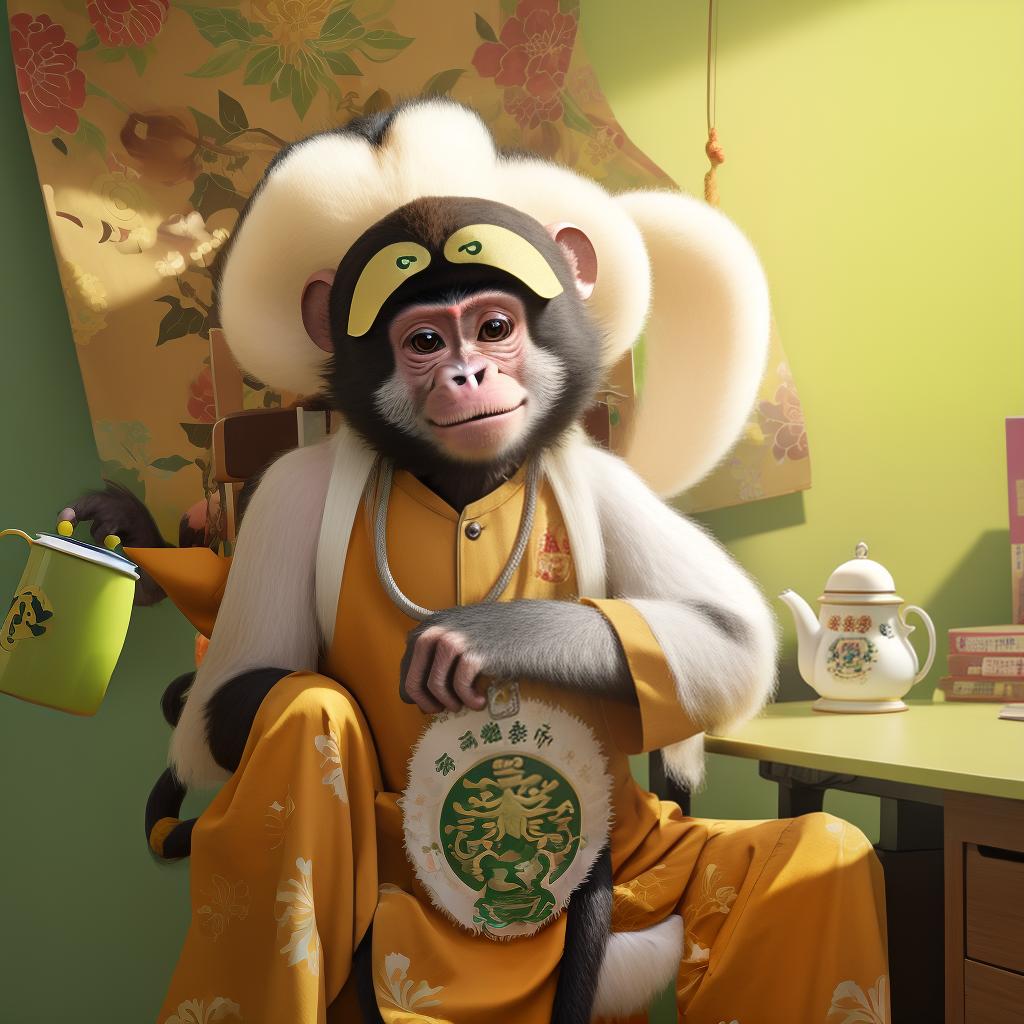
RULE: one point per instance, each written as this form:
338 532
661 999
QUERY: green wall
875 155
89 922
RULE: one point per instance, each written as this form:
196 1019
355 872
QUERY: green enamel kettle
65 627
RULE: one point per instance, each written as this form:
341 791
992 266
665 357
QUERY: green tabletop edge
963 747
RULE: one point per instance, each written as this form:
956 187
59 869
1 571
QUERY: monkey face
463 366
459 332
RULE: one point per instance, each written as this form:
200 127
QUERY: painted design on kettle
29 609
851 657
850 624
886 630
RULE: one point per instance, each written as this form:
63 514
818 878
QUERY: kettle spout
808 632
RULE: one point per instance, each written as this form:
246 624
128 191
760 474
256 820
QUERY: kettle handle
18 533
930 628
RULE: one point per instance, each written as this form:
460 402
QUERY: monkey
461 333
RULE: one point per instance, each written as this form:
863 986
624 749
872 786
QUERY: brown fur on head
431 219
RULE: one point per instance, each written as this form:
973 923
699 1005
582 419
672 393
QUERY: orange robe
784 920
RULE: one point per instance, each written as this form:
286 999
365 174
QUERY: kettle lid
861 575
91 553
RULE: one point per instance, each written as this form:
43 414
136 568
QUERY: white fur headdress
665 260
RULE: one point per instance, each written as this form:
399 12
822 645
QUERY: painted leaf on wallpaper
151 122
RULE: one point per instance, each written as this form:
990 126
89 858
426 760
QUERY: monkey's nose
463 375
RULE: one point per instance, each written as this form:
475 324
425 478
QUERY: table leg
796 799
909 825
801 790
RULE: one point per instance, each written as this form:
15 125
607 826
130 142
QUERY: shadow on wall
982 579
755 517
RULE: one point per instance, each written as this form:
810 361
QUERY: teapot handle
18 533
930 627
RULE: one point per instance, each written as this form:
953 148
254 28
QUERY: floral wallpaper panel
151 121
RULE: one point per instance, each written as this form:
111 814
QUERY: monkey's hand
561 643
115 510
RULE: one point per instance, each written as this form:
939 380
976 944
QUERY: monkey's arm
686 636
560 642
699 637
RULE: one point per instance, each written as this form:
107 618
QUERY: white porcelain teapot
856 654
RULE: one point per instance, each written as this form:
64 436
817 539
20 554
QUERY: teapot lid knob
861 550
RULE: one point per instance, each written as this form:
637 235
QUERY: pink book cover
986 666
1015 491
1005 640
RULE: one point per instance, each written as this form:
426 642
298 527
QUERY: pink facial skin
462 364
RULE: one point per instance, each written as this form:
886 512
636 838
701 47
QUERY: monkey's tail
167 835
586 936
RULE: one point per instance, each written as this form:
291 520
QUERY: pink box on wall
1015 488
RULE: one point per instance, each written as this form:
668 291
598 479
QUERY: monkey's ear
580 253
316 308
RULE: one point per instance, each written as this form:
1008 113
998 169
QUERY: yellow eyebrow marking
383 274
495 246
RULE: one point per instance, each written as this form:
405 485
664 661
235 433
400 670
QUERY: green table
960 757
941 746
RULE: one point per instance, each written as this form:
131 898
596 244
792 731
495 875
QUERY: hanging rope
713 148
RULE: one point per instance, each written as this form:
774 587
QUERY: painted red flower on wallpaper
127 22
530 58
52 87
783 420
200 397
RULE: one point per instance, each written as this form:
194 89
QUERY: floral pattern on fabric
852 1005
847 837
329 749
783 420
633 902
394 986
276 819
225 900
712 897
51 85
195 1011
127 22
297 919
151 121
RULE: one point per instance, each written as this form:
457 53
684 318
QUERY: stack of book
985 663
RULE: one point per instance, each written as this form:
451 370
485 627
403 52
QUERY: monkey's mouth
489 415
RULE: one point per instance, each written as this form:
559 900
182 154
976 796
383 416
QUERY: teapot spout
808 632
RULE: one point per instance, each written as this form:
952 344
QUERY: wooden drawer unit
984 866
992 996
995 906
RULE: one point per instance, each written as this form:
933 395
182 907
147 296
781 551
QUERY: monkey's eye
425 342
497 328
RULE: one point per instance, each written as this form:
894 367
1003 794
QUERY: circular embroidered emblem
510 826
504 818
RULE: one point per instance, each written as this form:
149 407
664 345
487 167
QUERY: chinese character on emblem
554 563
